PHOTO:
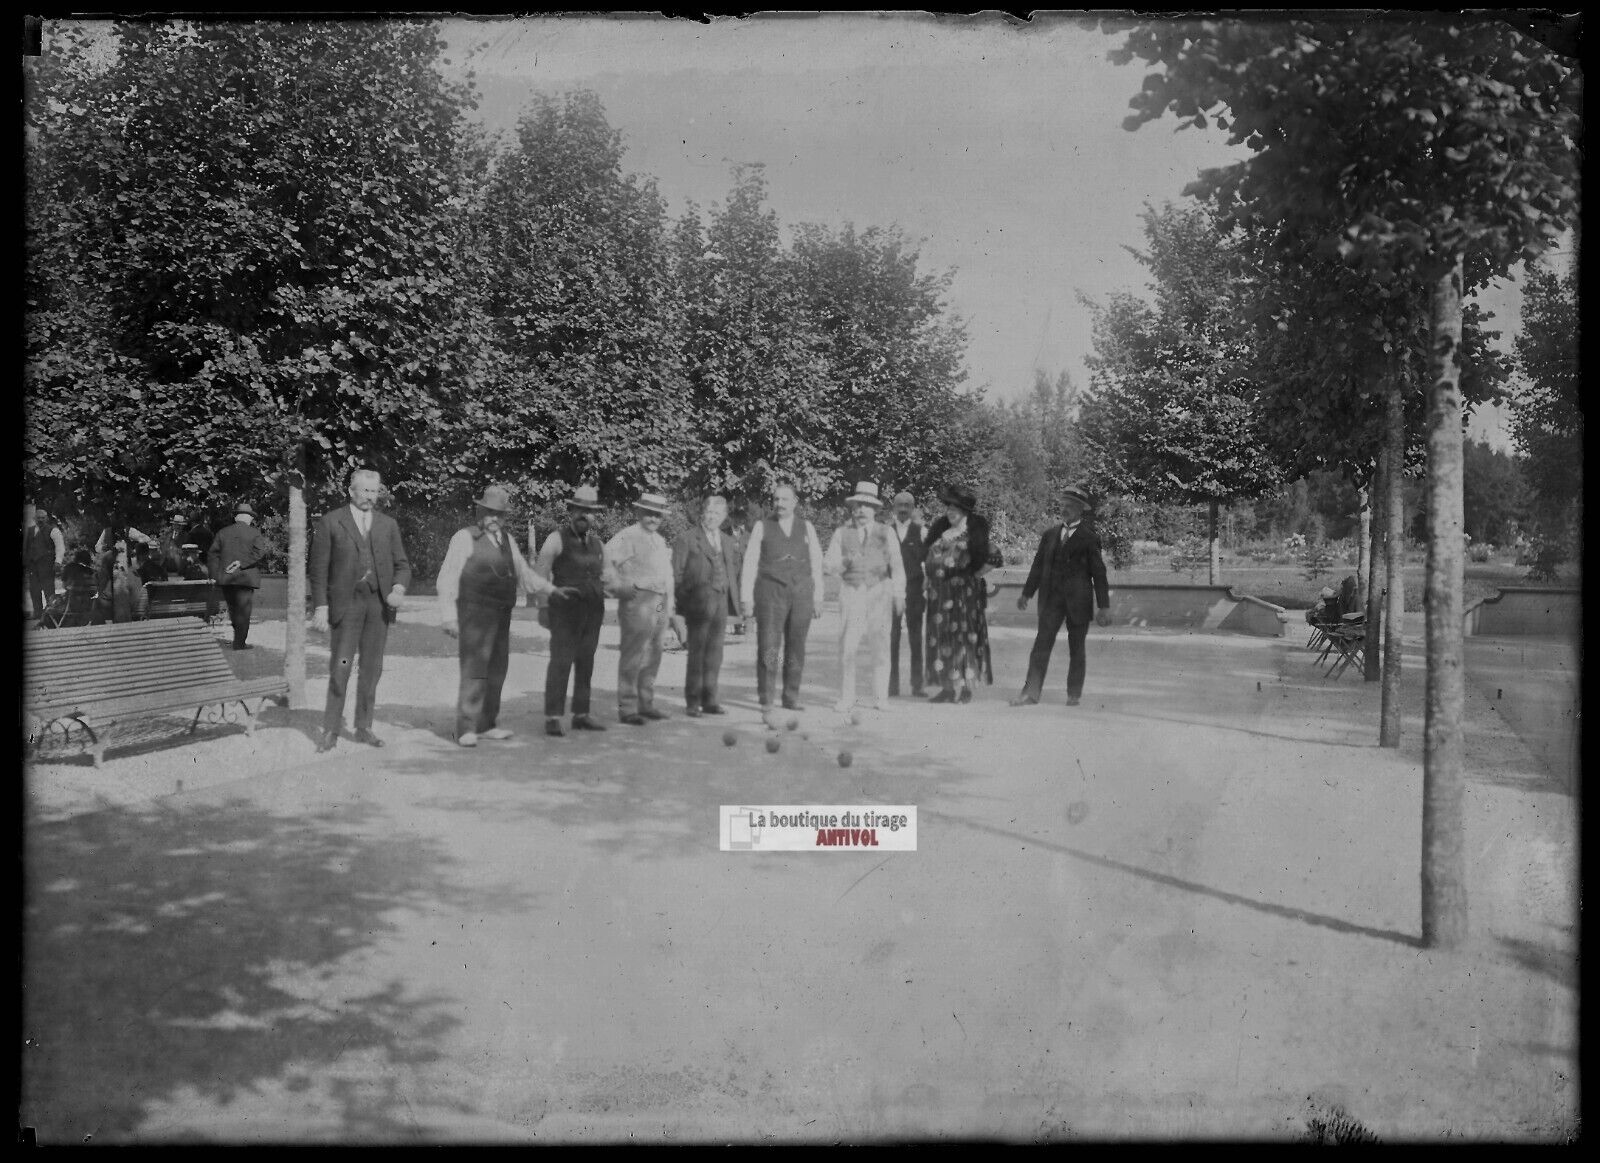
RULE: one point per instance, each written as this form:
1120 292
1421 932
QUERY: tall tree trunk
1214 555
1444 887
1394 553
294 651
1371 538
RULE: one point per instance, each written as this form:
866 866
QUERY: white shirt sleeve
545 564
449 583
60 544
752 564
528 581
833 560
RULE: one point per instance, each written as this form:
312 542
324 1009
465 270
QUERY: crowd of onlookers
81 582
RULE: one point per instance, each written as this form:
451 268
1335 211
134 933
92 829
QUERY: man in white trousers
872 587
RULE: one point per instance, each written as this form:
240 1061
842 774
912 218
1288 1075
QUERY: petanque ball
855 718
793 724
1076 811
845 759
729 738
772 746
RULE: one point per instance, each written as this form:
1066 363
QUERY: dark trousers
574 638
1050 619
485 653
705 659
362 632
241 601
913 623
783 619
41 589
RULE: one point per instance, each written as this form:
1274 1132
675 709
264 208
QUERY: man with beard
782 590
573 558
705 570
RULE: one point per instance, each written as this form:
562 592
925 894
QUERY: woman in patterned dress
957 628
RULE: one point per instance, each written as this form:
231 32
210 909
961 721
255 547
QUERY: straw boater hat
585 497
652 503
959 497
495 498
178 519
1081 495
866 494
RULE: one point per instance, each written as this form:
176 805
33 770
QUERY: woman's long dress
957 629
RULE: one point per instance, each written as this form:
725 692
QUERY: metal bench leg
250 716
196 723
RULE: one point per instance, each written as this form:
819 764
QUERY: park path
1187 907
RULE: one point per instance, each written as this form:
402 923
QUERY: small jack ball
845 759
772 746
729 738
793 724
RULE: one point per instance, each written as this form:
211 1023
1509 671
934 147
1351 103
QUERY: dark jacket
977 539
693 567
1074 578
913 552
335 565
241 543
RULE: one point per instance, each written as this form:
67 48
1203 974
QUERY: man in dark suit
43 554
705 570
1069 575
912 552
235 560
359 573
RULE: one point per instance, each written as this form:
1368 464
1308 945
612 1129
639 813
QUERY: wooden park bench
90 680
183 599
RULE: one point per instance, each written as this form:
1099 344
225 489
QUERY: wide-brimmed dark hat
585 497
496 498
960 497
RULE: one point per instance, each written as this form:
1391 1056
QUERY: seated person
150 567
190 567
1326 611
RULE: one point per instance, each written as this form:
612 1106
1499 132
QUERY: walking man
1069 575
483 577
642 561
909 534
705 571
573 557
872 586
44 553
782 590
235 559
359 574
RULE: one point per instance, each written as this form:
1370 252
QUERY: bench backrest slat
91 664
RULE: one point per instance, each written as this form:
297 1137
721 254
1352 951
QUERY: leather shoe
362 735
326 741
243 646
965 696
554 727
918 692
1074 700
470 739
586 723
944 697
1024 701
694 712
655 715
793 705
714 709
632 720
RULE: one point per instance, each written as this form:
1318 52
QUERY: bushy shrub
1316 559
1191 555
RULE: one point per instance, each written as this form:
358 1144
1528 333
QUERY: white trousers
866 612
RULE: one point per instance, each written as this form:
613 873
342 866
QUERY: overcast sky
999 146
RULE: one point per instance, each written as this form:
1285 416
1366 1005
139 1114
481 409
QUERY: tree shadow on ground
192 955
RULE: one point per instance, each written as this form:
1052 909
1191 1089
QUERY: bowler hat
904 498
244 507
866 494
959 497
652 503
496 498
584 497
1080 494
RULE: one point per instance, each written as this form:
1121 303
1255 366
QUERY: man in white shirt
872 586
641 559
483 577
782 589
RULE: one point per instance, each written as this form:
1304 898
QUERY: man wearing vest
483 577
573 557
872 586
782 590
705 572
1069 575
359 573
642 561
909 534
